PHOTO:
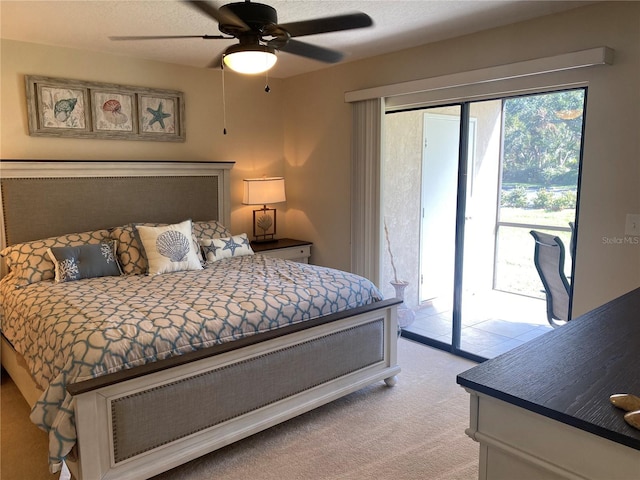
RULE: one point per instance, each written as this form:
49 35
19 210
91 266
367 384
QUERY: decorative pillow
169 248
215 249
85 261
129 249
210 229
30 261
131 255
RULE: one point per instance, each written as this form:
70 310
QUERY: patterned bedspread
68 332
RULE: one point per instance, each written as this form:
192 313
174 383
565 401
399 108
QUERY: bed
244 355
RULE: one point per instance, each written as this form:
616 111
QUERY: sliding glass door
475 290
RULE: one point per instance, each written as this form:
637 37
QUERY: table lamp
263 191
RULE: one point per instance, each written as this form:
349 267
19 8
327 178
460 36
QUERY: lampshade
249 58
262 191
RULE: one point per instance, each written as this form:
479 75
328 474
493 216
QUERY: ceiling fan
256 27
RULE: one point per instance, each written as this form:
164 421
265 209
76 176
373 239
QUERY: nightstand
286 248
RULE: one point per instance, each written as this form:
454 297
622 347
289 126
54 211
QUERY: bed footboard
212 402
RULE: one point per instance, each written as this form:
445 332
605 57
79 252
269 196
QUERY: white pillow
169 248
215 249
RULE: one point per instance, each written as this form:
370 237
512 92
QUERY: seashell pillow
131 254
169 248
30 261
215 249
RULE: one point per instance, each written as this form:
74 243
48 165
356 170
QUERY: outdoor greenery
542 150
537 196
542 138
542 143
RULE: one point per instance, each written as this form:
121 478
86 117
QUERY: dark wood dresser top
569 373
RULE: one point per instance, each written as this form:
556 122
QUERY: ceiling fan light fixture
250 59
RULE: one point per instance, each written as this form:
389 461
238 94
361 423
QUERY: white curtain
366 151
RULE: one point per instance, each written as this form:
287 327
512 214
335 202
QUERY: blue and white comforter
69 332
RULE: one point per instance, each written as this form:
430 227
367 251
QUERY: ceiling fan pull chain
224 104
267 88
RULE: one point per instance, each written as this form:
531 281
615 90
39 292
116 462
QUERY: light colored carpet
23 447
414 430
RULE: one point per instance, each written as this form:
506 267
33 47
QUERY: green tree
514 198
542 138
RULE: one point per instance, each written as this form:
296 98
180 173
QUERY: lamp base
264 224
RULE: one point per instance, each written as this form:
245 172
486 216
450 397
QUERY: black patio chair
549 260
572 241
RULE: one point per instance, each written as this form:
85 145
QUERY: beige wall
302 129
401 201
255 132
318 123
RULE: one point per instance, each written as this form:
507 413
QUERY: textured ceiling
397 25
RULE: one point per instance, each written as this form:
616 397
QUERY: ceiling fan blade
328 24
164 37
311 51
223 18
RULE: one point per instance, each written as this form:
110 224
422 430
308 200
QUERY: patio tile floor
492 324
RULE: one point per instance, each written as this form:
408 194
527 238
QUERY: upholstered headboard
42 199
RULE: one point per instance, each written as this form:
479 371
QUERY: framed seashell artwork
59 107
62 107
113 111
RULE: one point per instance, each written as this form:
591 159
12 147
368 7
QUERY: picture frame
159 114
59 107
114 111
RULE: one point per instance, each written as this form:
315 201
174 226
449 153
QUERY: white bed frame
95 456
